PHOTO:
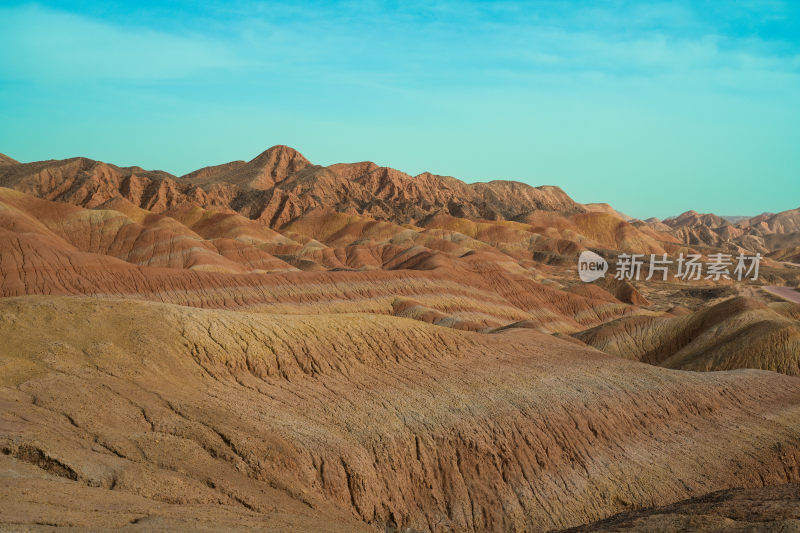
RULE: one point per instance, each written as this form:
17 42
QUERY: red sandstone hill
5 160
762 234
281 190
210 259
255 346
280 184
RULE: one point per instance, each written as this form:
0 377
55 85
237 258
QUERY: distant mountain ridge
280 185
767 233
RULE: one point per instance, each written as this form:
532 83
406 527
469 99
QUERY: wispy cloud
456 43
418 44
43 44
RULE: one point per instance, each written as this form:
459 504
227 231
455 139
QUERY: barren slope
736 333
359 417
5 160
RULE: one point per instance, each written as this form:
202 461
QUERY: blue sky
654 107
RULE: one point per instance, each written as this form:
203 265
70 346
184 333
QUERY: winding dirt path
787 293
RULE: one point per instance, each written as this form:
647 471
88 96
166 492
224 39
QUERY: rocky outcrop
763 509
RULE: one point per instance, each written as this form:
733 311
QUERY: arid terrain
277 345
